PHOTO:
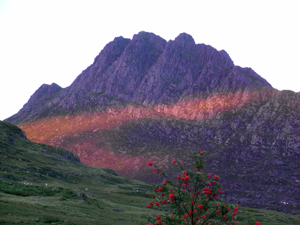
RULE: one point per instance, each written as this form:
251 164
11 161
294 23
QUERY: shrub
193 197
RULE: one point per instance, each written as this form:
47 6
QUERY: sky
53 41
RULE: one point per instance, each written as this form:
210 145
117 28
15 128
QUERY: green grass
40 184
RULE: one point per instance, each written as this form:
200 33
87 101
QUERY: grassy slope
43 184
40 184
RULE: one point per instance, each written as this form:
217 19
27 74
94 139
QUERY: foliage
193 198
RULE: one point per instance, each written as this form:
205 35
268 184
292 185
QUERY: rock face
34 107
146 98
145 70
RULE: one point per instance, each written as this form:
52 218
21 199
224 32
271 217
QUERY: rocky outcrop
34 108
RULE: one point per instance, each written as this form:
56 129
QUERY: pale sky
46 41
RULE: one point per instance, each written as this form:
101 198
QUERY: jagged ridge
145 70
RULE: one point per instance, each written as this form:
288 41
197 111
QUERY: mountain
146 70
146 98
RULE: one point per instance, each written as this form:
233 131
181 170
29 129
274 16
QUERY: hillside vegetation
41 184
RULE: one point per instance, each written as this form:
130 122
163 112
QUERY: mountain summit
146 70
148 99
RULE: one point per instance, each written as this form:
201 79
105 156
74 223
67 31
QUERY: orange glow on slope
104 157
96 152
199 109
54 129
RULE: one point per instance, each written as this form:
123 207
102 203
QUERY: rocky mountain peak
110 53
148 36
145 70
32 108
45 91
184 39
